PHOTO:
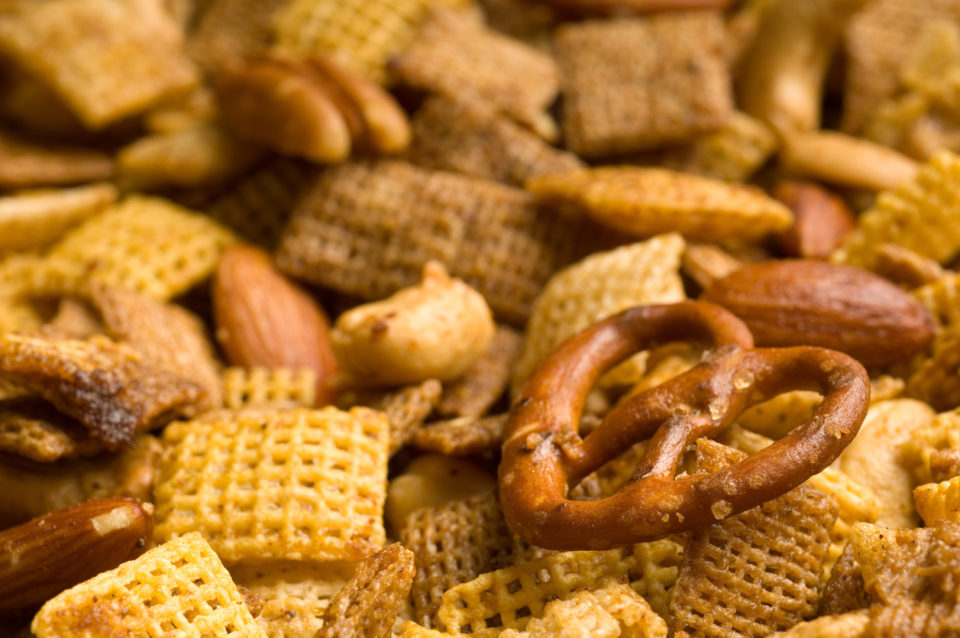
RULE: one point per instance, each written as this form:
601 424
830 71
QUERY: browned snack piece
844 590
462 435
367 228
33 429
231 31
457 56
905 267
475 392
527 20
472 138
406 408
27 163
263 319
633 84
74 319
794 302
167 336
102 384
368 605
821 220
46 555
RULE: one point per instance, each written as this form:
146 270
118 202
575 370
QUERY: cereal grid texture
645 201
367 228
146 244
458 136
597 287
457 56
633 84
231 31
920 215
179 588
106 58
479 388
248 387
276 484
364 34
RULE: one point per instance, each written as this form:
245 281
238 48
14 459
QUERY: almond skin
821 220
263 319
804 302
53 552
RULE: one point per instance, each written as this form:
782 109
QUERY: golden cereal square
106 59
248 387
260 484
179 588
146 244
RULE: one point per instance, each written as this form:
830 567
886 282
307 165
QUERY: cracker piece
232 31
733 153
31 428
878 41
454 543
258 206
941 434
367 228
470 138
249 387
179 587
597 287
295 594
462 435
921 215
457 56
853 624
473 394
363 34
107 59
291 484
645 201
757 572
633 84
938 501
103 384
936 380
782 413
28 164
406 408
75 319
146 244
34 219
166 335
368 605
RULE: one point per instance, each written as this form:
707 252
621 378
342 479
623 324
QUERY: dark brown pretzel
543 454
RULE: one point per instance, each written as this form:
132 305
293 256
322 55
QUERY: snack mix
517 318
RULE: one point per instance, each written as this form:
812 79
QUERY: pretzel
543 454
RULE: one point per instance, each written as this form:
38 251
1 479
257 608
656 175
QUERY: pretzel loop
543 454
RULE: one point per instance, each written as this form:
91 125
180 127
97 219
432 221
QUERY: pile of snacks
514 318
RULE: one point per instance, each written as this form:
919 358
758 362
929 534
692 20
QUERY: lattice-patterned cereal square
146 244
231 31
248 387
920 215
103 384
34 219
941 434
166 335
295 594
367 228
276 484
455 55
364 34
463 137
644 201
637 83
476 391
938 501
508 598
368 605
106 59
733 153
28 164
454 543
180 588
29 275
597 287
31 428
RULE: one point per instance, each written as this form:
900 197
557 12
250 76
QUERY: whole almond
821 220
45 556
804 302
263 319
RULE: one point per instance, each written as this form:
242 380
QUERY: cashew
438 330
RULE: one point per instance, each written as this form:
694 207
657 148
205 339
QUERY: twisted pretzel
543 454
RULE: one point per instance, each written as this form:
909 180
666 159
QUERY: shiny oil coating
543 454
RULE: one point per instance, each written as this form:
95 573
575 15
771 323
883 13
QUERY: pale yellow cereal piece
178 588
942 433
597 287
276 483
921 215
782 413
246 387
33 219
938 501
29 275
645 201
852 624
874 457
146 244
